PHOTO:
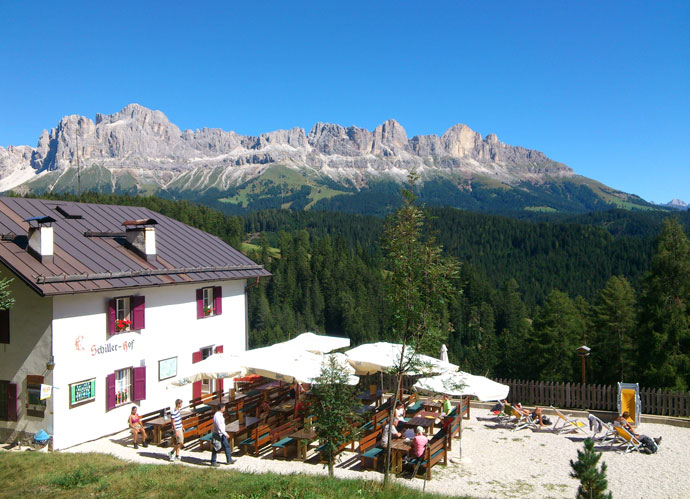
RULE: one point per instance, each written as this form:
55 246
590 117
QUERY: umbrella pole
459 460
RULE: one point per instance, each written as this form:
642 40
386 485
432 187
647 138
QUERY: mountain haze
140 150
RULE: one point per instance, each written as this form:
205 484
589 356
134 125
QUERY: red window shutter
219 381
217 300
138 309
199 303
4 326
139 385
196 386
111 316
12 402
110 399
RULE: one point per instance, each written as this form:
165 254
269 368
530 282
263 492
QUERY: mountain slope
140 150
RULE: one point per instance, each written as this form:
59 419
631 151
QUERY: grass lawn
39 474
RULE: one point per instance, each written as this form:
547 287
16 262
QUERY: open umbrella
382 356
214 367
291 366
461 383
316 343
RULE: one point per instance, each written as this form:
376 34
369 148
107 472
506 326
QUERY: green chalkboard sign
82 392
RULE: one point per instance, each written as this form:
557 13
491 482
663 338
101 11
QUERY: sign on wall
167 368
82 392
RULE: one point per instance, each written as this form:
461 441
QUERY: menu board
82 392
167 368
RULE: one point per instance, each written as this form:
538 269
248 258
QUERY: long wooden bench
280 439
368 449
435 451
259 437
205 432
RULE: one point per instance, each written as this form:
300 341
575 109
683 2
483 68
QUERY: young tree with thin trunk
593 481
335 423
418 285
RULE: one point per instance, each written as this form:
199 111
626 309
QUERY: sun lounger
602 432
523 420
627 442
565 424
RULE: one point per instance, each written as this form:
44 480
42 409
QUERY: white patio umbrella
382 356
291 366
444 353
461 383
214 367
316 343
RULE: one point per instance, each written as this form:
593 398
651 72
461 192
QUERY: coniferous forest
530 291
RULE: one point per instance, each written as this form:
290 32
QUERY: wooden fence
597 397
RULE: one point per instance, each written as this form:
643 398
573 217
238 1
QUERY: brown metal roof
100 260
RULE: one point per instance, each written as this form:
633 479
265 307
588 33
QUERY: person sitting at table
418 443
262 410
137 428
398 415
446 407
389 431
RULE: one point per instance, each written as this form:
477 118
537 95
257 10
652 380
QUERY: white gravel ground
496 463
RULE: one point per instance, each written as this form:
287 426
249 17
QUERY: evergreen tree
558 328
513 330
593 482
665 312
613 357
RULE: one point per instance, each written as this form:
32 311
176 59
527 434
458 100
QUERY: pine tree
664 333
614 323
593 481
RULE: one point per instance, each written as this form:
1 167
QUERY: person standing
178 430
220 437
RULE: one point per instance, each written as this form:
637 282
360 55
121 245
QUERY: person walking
219 439
178 430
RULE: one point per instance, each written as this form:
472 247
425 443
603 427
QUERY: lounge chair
523 420
597 427
627 442
565 424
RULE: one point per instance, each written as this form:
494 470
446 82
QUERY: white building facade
104 351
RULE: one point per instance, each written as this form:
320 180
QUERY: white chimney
141 238
41 239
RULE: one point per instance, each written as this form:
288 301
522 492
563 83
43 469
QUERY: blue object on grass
41 437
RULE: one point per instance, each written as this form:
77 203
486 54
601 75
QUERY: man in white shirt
220 437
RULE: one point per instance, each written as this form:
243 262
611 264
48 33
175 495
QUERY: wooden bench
368 448
347 442
190 428
434 452
205 432
259 437
280 439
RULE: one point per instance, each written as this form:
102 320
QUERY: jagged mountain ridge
144 144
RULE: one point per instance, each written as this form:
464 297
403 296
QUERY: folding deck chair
598 426
523 420
565 424
627 442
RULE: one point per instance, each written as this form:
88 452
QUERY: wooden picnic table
432 405
236 428
269 386
368 397
303 437
399 448
425 419
160 422
283 409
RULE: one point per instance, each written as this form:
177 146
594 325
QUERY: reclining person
622 421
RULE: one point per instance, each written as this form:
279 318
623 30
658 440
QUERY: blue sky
601 86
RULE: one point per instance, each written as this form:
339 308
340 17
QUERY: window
122 310
4 326
209 302
207 385
8 401
126 313
124 386
200 388
34 405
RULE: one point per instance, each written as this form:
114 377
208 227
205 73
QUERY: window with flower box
209 302
126 313
125 386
